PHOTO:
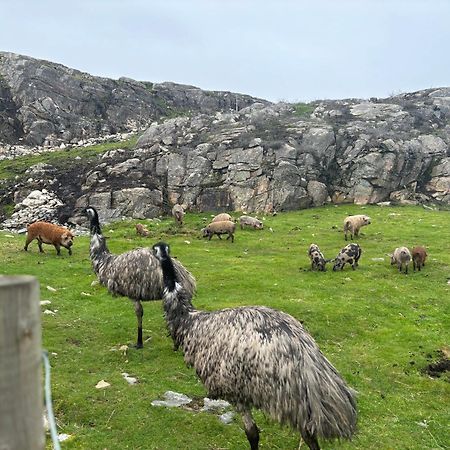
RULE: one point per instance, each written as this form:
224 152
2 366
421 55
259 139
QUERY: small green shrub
303 109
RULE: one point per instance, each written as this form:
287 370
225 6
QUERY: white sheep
178 214
354 224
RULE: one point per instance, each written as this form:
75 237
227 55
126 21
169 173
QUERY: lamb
49 233
219 228
178 214
419 255
350 254
247 221
354 224
141 230
401 257
221 217
255 356
318 261
135 274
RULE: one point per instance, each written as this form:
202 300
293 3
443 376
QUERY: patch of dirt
438 368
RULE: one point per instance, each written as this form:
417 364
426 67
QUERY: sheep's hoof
138 345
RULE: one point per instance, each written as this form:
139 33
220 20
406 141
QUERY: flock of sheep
252 356
351 253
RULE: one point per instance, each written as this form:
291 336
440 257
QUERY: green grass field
379 328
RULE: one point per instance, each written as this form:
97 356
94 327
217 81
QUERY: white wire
48 402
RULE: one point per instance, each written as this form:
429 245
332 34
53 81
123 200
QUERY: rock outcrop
263 157
47 104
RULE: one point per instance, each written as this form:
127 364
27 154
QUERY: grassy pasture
378 327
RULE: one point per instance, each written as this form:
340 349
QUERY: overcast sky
278 50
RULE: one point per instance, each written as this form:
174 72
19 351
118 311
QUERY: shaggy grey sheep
259 357
252 222
135 274
401 257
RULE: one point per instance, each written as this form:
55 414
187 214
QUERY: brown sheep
419 255
219 228
354 224
141 230
49 233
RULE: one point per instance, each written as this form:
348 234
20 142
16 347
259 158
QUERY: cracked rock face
48 104
258 157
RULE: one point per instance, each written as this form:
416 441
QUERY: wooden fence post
21 398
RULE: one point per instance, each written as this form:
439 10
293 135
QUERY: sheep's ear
330 260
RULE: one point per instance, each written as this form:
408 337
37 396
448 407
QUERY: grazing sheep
258 357
247 221
350 254
318 261
178 214
221 217
135 274
401 257
49 233
419 255
354 224
219 228
141 230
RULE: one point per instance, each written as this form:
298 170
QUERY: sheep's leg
251 430
27 243
310 440
58 249
139 313
40 245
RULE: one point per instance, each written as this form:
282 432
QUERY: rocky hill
48 104
230 152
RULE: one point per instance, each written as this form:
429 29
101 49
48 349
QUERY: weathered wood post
21 399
